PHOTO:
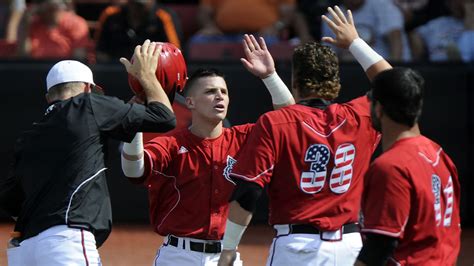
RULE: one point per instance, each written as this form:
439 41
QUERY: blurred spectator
466 41
312 10
49 30
121 28
380 23
228 20
437 39
16 10
418 12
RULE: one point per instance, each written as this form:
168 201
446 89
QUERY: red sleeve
245 128
359 108
255 159
386 200
360 105
157 155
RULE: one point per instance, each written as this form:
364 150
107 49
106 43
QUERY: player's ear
378 110
189 102
87 87
48 98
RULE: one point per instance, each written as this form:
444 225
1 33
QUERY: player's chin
221 112
217 117
222 115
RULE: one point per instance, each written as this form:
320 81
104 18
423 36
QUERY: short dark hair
316 71
400 92
201 73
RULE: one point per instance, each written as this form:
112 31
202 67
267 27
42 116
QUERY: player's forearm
154 91
237 222
371 61
281 95
239 215
133 164
157 118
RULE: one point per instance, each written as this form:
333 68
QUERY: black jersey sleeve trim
377 249
247 194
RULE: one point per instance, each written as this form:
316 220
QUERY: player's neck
393 132
206 130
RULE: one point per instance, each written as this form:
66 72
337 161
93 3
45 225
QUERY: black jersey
59 170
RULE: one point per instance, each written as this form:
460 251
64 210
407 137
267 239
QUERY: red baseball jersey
412 193
313 160
188 181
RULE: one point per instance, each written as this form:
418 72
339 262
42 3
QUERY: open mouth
219 107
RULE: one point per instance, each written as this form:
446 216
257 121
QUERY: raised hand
144 60
343 27
258 59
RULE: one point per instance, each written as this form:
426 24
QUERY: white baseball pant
309 249
56 246
169 255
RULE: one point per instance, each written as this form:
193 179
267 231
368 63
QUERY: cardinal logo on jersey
228 168
182 150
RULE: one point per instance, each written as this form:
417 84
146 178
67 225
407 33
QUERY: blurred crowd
104 30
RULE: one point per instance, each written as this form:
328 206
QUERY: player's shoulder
406 153
431 152
387 169
283 115
239 129
170 139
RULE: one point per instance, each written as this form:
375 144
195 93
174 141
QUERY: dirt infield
135 245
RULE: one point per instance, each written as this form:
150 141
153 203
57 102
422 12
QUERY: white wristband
232 236
133 169
133 164
364 54
135 147
278 90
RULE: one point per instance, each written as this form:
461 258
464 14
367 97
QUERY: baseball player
187 172
313 156
411 197
57 191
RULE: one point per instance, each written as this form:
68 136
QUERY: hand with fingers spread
143 68
342 26
145 60
258 59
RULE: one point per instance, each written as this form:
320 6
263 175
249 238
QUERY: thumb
328 40
246 64
125 63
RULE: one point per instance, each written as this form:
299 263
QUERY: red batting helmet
171 72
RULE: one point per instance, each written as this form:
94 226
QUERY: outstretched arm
259 62
143 68
237 222
347 37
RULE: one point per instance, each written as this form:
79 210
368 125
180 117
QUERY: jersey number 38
318 156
